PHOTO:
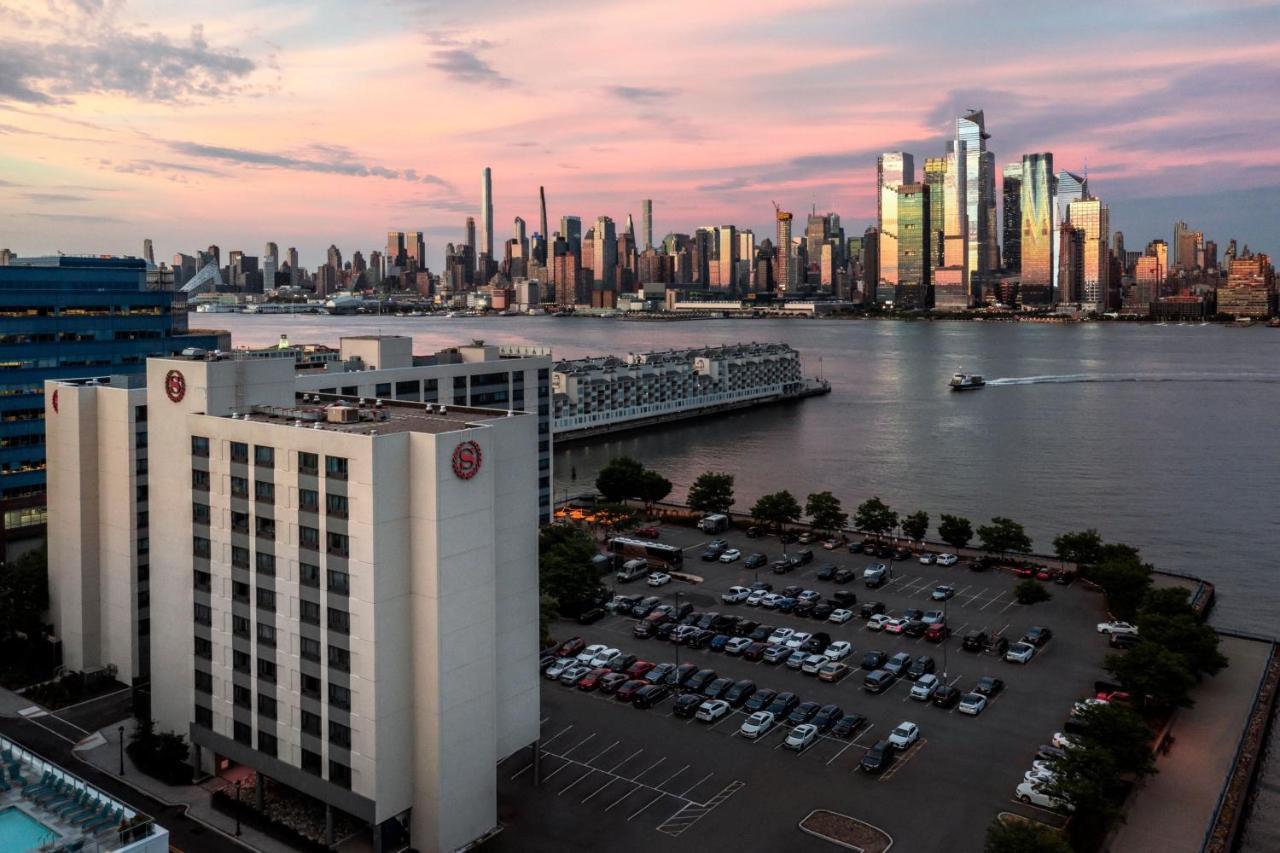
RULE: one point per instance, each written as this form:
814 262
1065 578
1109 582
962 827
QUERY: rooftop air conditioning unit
343 414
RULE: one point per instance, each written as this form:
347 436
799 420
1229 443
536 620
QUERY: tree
620 479
711 492
1023 836
24 594
916 525
955 530
548 610
652 487
1123 733
825 511
776 510
875 517
565 571
1031 591
1125 579
1088 778
1184 635
1004 535
1082 548
1153 673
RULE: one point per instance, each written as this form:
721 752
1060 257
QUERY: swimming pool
20 832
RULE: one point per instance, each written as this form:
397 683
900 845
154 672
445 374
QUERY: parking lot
621 774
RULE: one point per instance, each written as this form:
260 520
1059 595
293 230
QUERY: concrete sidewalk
1172 810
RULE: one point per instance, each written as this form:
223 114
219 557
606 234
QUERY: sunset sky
315 123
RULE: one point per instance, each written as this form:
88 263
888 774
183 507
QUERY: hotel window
199 446
239 487
244 733
308 500
240 661
204 682
310 650
339 620
339 583
311 760
243 696
310 723
144 518
308 537
339 697
240 592
309 612
199 481
239 521
239 451
203 615
203 581
239 557
266 599
265 527
340 774
336 505
204 717
204 648
264 456
335 467
200 546
309 575
266 634
267 670
267 743
266 563
339 659
199 513
240 626
382 389
339 734
264 491
308 463
337 544
311 685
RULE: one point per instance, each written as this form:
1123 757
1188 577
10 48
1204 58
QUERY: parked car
833 672
780 636
650 695
803 713
1020 653
610 683
946 696
933 617
947 559
844 597
924 688
877 758
878 681
974 641
735 595
802 557
658 675
801 736
873 659
894 626
856 547
796 659
588 654
755 651
712 710
798 639
627 692
757 725
736 645
590 616
840 616
1037 635
731 555
686 705
1123 641
680 676
847 725
760 700
988 685
740 692
813 664
826 571
755 532
972 704
1117 628
878 621
754 561
713 551
922 665
624 662
571 647
1033 795
822 612
937 632
872 608
648 604
943 592
839 650
783 704
604 657
914 628
905 734
700 680
776 654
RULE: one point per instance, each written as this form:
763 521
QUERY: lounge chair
111 817
30 788
99 808
87 807
78 802
49 794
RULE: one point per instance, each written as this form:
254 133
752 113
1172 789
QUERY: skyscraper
417 249
782 267
1037 233
971 144
544 233
1093 218
518 233
951 280
486 213
1011 234
1070 275
295 271
571 231
913 290
727 255
646 222
148 253
604 259
935 175
893 169
1071 187
270 264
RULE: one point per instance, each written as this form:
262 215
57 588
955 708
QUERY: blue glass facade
64 318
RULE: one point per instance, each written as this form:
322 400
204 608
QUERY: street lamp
120 729
237 808
677 615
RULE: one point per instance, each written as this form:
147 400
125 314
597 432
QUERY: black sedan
873 660
783 704
848 724
803 713
739 692
878 757
827 717
687 705
759 700
1037 635
946 696
988 686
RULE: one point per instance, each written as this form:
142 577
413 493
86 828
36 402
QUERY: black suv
878 757
802 557
974 641
871 608
920 666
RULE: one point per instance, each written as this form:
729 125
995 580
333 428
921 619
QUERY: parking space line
838 754
637 777
618 801
864 733
590 770
1002 594
669 778
902 761
591 761
615 767
586 741
601 788
1013 603
685 794
636 814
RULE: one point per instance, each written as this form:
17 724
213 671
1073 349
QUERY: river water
1162 436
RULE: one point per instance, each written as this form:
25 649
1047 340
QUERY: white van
875 574
714 523
633 569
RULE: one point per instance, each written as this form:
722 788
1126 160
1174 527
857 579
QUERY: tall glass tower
893 169
1037 233
971 143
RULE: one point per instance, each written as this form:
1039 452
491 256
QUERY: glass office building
1038 233
62 318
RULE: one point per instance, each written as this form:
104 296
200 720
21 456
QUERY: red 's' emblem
466 460
54 401
175 385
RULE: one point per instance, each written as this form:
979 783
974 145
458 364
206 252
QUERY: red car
639 669
649 532
1117 696
937 632
571 647
1025 571
610 682
628 691
591 680
1045 574
755 651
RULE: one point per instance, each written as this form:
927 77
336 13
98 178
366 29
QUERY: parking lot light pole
120 729
677 625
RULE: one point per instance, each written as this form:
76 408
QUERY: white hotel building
343 594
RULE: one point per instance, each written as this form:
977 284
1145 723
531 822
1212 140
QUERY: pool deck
1171 811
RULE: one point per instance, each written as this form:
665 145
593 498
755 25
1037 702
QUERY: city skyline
241 116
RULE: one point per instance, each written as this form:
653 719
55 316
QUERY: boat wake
1135 377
